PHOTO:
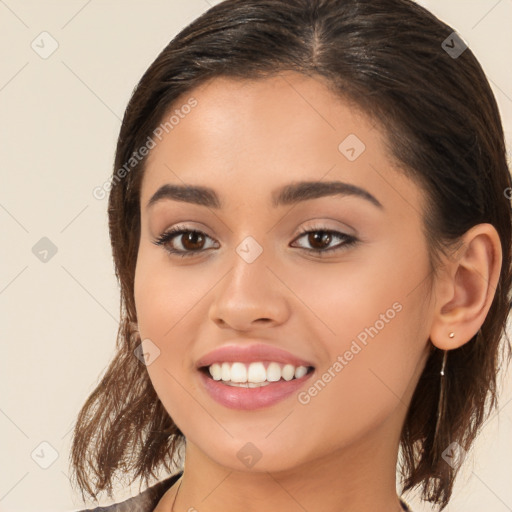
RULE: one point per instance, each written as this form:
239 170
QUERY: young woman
311 228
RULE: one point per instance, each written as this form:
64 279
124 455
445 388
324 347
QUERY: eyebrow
287 195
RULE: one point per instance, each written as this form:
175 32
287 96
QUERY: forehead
251 135
236 117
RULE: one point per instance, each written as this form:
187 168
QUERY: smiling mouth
255 374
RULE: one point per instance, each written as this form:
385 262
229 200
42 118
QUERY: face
332 278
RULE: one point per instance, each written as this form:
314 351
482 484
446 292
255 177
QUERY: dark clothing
144 502
148 500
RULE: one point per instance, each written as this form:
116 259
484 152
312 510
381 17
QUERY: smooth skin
338 452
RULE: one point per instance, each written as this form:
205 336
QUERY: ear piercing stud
451 335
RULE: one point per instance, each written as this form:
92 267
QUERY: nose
250 295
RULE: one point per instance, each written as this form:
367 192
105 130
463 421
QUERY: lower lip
252 398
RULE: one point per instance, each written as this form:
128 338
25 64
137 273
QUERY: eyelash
166 237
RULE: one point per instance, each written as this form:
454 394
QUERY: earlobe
465 291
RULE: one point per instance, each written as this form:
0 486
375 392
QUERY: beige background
60 117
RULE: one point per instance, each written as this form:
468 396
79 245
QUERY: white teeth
255 374
216 371
238 373
288 372
273 372
300 371
226 371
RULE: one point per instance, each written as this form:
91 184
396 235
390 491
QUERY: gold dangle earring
451 335
441 403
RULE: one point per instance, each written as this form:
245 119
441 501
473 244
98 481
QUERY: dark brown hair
444 131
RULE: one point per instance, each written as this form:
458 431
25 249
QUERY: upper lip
250 353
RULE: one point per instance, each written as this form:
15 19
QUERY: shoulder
144 502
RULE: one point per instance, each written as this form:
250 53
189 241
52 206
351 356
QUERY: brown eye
319 240
192 240
183 242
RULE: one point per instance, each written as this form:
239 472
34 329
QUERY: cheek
367 382
165 294
168 301
368 388
377 355
342 300
374 325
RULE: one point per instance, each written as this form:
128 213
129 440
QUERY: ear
466 287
